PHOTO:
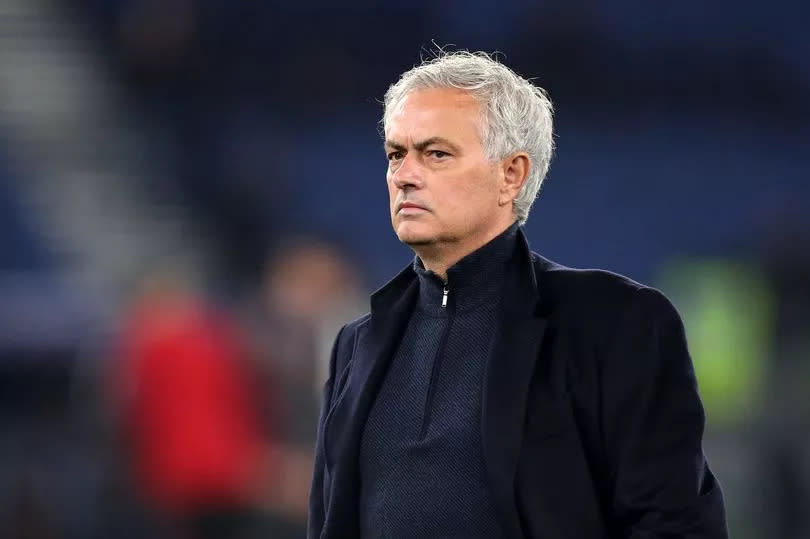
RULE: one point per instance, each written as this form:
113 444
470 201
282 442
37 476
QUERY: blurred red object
190 410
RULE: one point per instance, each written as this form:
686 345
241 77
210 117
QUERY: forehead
444 112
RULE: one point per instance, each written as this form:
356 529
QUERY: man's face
441 186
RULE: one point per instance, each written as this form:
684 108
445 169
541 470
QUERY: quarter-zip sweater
421 463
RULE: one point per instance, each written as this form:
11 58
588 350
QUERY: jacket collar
509 370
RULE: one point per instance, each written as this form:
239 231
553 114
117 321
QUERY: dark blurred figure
308 288
202 456
784 242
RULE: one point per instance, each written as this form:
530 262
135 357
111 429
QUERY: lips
405 205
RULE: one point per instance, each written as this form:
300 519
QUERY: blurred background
192 202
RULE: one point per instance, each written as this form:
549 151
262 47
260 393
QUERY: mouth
410 207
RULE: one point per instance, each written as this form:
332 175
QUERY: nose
407 174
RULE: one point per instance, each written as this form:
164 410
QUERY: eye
438 154
395 155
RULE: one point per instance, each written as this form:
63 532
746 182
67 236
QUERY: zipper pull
445 291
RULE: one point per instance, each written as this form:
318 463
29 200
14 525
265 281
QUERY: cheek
392 191
474 190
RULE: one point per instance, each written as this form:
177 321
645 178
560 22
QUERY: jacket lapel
390 310
506 384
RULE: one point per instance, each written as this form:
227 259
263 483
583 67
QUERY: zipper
435 370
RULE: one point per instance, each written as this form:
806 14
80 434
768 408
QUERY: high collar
473 280
392 294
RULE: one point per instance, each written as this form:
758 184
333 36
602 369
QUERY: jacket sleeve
653 424
316 495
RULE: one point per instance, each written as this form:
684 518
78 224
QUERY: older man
491 392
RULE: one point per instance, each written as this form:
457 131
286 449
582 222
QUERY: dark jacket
591 420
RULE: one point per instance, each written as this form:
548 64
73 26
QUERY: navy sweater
421 466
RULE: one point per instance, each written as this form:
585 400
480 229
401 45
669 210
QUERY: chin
412 234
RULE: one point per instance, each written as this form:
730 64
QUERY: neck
440 257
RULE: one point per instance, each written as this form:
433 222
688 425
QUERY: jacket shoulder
351 329
345 341
595 292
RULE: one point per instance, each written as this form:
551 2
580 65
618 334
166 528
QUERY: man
491 392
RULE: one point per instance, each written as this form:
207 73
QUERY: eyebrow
421 145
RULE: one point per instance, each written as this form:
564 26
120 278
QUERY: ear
515 171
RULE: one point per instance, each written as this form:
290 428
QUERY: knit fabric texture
421 465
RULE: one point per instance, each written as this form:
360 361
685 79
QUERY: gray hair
517 114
